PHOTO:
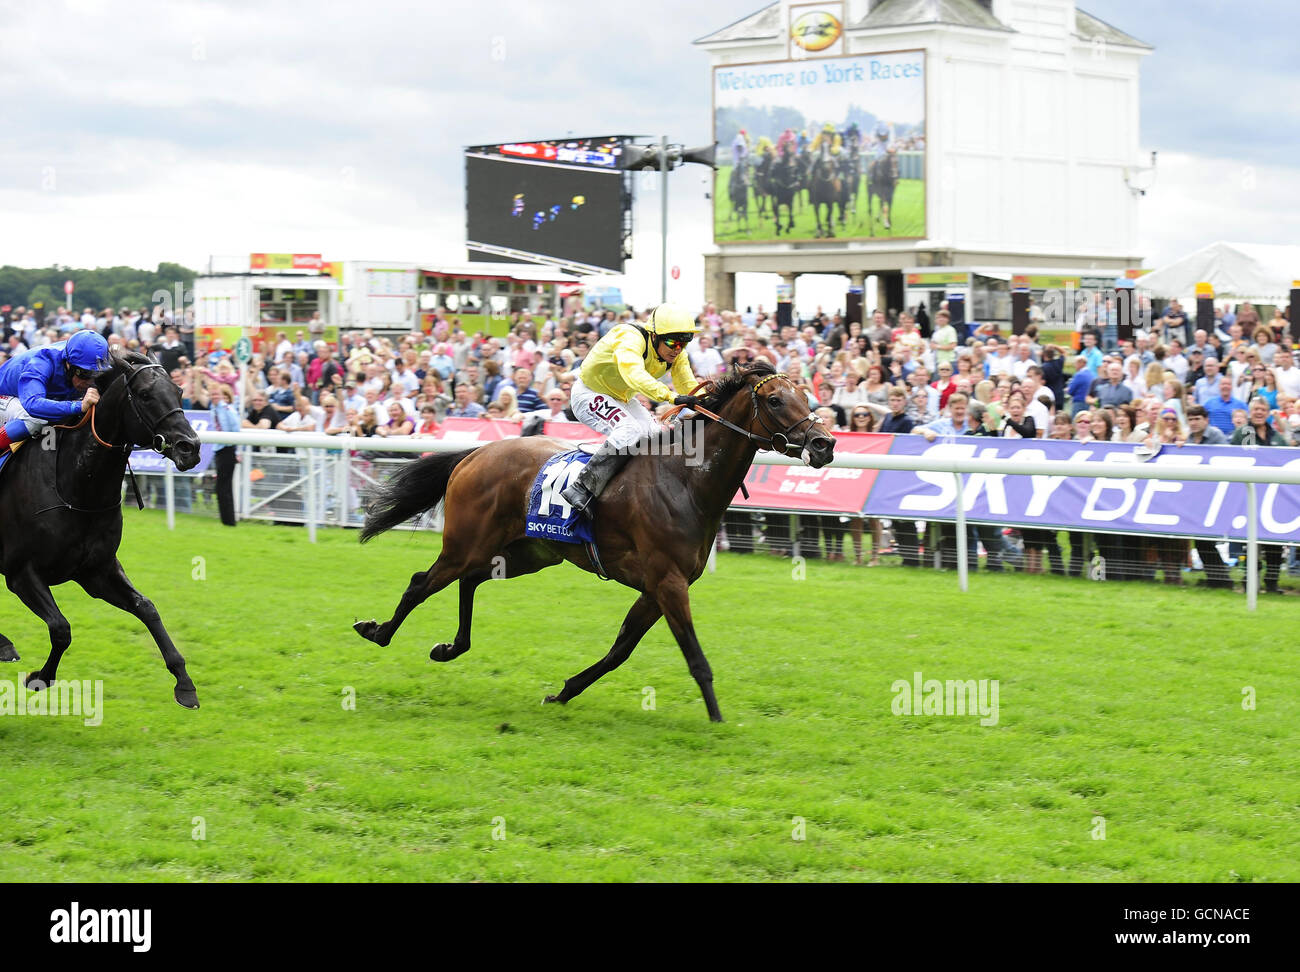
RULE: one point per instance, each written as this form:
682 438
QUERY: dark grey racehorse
882 178
61 508
763 181
850 171
824 190
785 186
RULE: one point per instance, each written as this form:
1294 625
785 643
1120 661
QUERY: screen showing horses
559 213
820 148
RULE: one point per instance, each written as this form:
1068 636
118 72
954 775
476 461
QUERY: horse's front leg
673 594
8 653
113 587
640 619
35 593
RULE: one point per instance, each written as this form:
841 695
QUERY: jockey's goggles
676 341
85 374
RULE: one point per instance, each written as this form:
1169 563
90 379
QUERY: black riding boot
593 479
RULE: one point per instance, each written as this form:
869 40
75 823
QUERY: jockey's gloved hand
690 401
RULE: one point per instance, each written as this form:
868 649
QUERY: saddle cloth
550 517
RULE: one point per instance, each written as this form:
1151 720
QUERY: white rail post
169 489
310 499
962 581
1252 548
343 487
246 481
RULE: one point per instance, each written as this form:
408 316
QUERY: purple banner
1151 506
147 461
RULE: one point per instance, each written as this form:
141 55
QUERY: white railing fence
323 480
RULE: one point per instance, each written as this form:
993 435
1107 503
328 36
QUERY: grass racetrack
907 216
1117 701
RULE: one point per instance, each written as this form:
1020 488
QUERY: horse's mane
733 381
123 361
125 358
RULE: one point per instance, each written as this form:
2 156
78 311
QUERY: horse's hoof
8 653
35 682
717 718
367 630
442 652
187 698
552 698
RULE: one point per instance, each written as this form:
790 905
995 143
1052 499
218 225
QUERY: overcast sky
144 131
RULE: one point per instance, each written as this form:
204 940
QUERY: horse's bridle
776 440
157 442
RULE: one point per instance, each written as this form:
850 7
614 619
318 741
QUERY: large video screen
557 213
829 148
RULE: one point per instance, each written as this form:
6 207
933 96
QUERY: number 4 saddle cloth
550 517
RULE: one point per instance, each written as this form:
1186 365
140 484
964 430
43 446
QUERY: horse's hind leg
35 593
521 557
645 612
115 588
423 586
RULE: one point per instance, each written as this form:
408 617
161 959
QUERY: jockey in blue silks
49 384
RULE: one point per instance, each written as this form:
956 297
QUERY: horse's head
775 412
147 404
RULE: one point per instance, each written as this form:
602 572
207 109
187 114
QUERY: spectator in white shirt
283 348
705 360
1287 374
304 418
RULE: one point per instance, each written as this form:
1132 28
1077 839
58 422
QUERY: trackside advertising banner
802 489
1149 506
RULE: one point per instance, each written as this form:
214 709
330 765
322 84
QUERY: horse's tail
416 487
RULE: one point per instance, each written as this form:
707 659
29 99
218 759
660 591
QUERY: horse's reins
161 445
771 441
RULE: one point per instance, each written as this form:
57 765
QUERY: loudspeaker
705 155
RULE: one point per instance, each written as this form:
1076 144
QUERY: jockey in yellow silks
628 360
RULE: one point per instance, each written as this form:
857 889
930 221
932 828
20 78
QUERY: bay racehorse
61 508
738 191
654 524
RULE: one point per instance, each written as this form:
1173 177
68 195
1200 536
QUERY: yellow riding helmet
671 319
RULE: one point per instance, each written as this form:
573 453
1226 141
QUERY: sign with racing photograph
825 148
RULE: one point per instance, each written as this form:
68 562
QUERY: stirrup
577 496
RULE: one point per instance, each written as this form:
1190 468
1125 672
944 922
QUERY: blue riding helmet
87 352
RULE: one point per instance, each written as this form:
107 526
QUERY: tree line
102 287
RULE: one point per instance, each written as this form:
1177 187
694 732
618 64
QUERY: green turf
907 217
1120 701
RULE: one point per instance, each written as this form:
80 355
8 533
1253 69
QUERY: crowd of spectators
898 372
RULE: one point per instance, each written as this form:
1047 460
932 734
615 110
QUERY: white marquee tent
1249 271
